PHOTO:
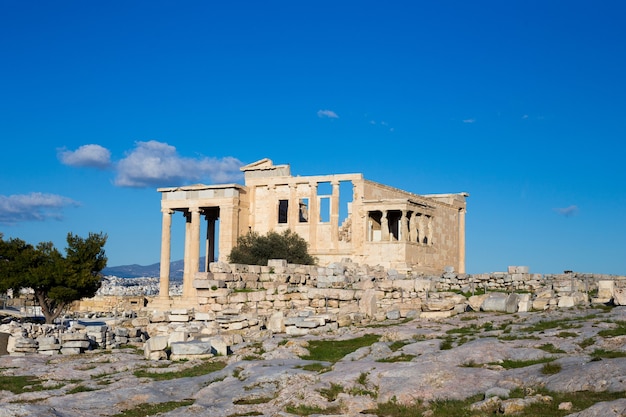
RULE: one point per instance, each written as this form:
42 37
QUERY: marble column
194 253
166 245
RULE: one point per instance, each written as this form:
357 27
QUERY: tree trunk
51 309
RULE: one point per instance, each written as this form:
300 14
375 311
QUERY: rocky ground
568 362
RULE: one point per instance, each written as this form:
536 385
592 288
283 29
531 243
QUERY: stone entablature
339 215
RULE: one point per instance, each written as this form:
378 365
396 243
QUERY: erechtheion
339 215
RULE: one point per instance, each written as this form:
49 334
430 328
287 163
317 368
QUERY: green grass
253 401
446 344
550 348
307 410
331 393
399 358
607 354
587 342
620 330
551 368
202 369
147 409
454 408
399 344
315 367
567 334
80 388
511 364
551 324
18 384
334 350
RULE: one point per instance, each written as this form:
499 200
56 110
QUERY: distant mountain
154 270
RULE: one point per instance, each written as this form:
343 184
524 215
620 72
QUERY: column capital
167 211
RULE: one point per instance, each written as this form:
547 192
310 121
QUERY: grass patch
389 323
253 401
144 410
607 354
202 369
587 342
399 358
80 388
334 350
18 384
511 364
620 330
551 368
446 344
250 413
518 337
315 367
551 324
567 334
331 393
399 344
550 348
307 410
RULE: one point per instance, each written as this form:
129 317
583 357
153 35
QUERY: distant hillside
137 271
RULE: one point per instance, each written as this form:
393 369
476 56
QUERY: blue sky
520 103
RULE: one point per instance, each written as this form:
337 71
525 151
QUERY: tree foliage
255 249
56 280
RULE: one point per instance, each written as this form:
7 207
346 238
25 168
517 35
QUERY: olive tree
56 280
255 249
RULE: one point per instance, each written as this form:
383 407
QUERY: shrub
255 249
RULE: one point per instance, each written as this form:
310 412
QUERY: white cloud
327 113
32 207
86 156
157 164
567 211
469 120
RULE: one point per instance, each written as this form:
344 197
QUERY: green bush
255 249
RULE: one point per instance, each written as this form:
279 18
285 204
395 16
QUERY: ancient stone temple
339 215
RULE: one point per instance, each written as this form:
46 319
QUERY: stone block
605 289
178 317
70 351
219 346
195 347
495 301
178 336
296 331
156 343
277 263
619 296
79 344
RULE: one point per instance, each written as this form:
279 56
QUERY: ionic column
194 255
210 243
166 245
462 241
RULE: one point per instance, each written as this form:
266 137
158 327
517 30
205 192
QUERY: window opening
324 192
283 210
303 210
